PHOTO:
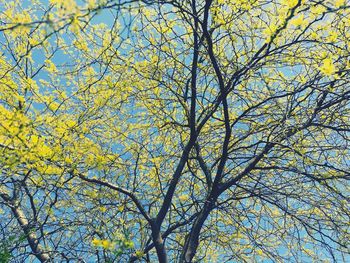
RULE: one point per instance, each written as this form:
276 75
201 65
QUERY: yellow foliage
339 3
104 243
328 68
299 21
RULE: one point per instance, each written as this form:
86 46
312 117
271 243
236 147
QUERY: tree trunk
158 243
32 239
192 240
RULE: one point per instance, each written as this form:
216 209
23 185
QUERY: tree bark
158 242
192 240
32 239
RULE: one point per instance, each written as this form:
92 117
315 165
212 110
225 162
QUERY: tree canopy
174 131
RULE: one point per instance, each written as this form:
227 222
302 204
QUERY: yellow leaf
328 67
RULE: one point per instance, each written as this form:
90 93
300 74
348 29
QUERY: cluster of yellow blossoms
104 243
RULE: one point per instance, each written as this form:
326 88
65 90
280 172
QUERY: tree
175 130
